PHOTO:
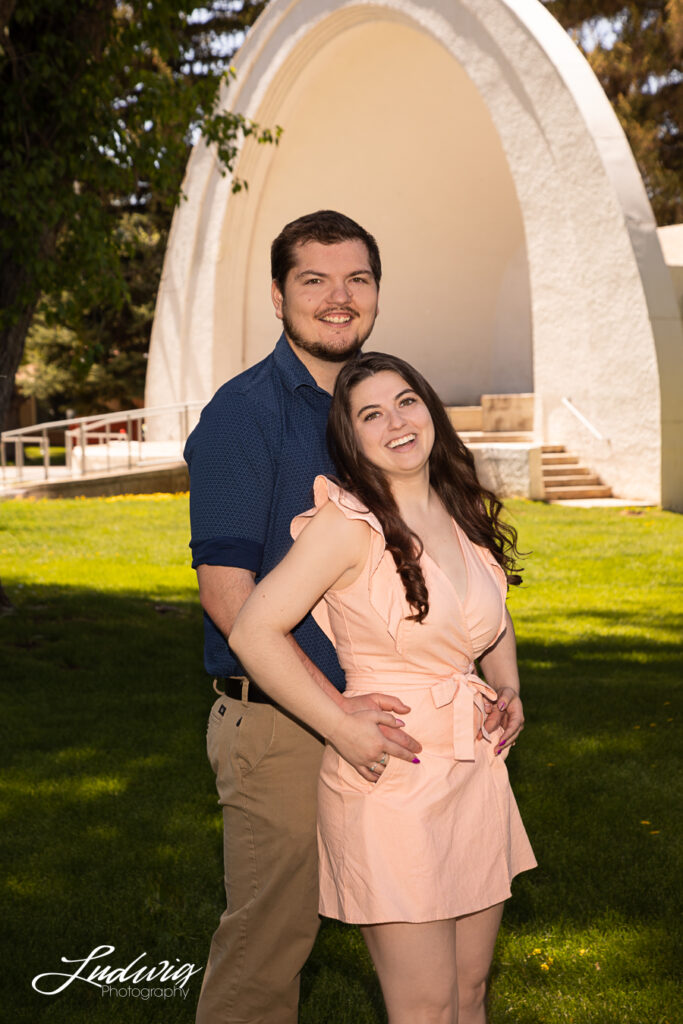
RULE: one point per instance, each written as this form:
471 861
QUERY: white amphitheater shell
520 252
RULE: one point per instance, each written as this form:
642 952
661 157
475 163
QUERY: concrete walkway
604 503
168 477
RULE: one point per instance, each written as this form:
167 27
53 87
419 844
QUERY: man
253 457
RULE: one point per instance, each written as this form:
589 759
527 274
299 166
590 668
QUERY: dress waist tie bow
464 690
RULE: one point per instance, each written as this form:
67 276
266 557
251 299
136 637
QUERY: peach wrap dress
441 838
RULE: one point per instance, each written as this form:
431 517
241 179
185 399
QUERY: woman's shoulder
338 505
326 489
335 533
334 515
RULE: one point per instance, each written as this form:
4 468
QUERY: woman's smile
403 443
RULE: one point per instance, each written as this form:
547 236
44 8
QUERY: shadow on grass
110 825
111 833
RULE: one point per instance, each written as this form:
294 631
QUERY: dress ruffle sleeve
384 594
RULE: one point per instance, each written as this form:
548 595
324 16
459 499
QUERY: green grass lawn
110 830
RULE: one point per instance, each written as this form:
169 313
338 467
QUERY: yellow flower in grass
644 822
535 952
544 967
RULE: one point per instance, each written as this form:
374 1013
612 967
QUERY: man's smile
338 317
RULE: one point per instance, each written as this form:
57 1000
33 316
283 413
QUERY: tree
100 100
94 358
635 50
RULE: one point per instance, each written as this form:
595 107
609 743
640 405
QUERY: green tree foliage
94 358
635 50
100 100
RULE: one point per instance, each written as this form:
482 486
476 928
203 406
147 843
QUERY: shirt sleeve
232 476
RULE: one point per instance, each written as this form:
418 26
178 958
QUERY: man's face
330 299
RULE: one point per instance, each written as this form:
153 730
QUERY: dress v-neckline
449 581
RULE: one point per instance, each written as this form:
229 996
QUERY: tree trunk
19 295
6 606
12 341
6 12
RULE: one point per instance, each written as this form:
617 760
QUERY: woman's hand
507 713
500 670
359 741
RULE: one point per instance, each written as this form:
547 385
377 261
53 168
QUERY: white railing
568 404
107 443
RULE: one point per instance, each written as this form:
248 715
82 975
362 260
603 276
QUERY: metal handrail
567 402
80 430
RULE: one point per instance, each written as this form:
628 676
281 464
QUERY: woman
413 564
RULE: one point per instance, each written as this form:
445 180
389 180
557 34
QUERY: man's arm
222 592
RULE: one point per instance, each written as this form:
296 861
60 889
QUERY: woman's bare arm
499 664
331 550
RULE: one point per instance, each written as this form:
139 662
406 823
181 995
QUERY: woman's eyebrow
376 406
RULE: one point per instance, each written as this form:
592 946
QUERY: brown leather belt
232 687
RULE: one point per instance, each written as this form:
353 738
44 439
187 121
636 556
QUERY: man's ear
277 297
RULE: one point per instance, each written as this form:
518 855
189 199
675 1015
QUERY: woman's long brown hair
451 474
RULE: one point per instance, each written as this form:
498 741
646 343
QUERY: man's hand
383 702
507 713
369 735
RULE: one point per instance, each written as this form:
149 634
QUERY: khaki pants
267 768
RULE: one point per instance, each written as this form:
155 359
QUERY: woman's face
392 424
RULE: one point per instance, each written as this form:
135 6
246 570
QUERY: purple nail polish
502 705
416 760
399 722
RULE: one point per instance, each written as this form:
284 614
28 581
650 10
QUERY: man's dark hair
327 227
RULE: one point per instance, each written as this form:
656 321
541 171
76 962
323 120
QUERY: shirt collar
294 373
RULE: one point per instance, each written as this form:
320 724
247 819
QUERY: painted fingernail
399 722
416 760
502 705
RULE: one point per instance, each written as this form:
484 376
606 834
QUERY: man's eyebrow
376 406
320 273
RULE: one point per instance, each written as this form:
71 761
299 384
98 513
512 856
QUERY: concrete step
546 448
577 478
562 470
560 493
563 459
496 436
465 418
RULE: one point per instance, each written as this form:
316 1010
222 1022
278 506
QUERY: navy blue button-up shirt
253 456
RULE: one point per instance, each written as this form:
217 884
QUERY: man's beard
318 348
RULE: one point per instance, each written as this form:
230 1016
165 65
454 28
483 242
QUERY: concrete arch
520 250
